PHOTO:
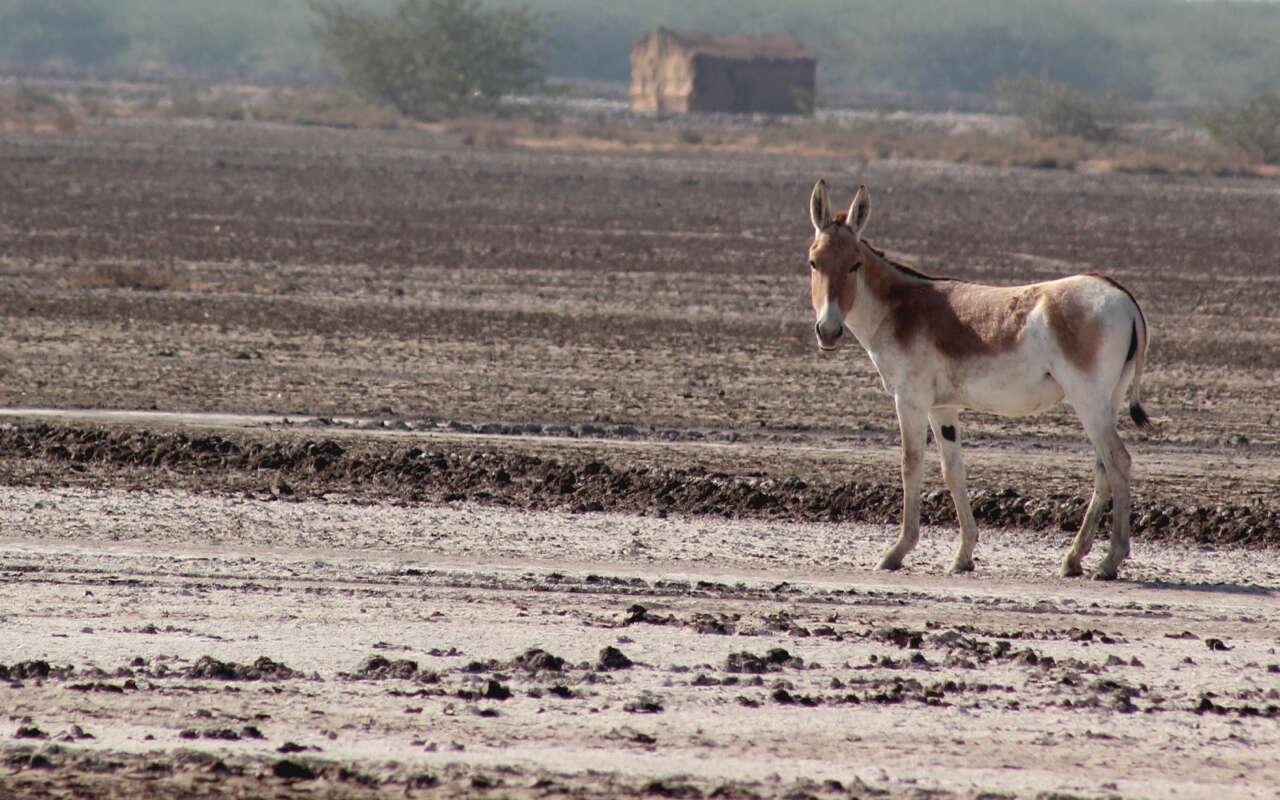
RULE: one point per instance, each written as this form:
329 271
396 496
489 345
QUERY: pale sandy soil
105 581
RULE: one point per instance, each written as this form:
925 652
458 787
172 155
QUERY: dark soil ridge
475 472
193 773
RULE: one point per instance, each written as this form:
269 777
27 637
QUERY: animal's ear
820 206
859 210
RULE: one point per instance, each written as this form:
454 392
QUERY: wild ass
943 345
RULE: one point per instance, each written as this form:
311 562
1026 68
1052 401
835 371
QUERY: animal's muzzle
830 325
827 338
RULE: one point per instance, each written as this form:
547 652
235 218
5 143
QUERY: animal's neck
882 285
872 281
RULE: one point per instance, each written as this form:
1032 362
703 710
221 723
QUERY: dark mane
904 269
842 218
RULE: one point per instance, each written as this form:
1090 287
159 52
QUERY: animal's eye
855 266
812 265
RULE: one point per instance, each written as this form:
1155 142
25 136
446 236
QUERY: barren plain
347 463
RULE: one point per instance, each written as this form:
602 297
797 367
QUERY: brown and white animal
943 345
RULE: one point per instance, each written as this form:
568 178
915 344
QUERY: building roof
774 46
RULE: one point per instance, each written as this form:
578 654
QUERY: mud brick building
680 71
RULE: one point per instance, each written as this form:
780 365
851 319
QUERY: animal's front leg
912 421
946 430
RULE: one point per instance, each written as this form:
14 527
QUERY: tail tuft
1139 415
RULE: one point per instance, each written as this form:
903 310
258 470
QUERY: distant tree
1253 126
78 31
433 58
1056 109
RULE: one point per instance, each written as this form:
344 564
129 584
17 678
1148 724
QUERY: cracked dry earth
368 464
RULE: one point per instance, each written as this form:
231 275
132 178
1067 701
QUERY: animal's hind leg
912 422
945 424
1118 477
1115 461
1084 539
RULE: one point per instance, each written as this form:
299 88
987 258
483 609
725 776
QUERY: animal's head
834 259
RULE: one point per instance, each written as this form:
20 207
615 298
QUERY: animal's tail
1138 353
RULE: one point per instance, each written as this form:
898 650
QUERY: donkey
943 345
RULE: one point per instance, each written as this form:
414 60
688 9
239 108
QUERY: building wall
666 77
661 76
752 86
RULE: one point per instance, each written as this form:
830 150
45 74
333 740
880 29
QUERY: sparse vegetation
26 109
1252 126
432 58
1148 149
138 277
1192 54
333 106
1056 109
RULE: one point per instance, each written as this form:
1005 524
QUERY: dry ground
170 644
445 351
176 644
401 276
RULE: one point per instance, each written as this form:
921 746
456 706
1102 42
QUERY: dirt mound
36 669
378 668
263 668
773 661
536 659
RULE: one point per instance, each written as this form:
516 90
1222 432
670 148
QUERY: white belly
1000 386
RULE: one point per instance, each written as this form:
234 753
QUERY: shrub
433 58
1253 126
1056 109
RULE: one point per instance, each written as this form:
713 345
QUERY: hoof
1071 569
1104 574
890 563
962 566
